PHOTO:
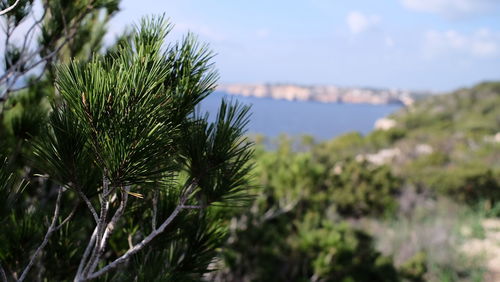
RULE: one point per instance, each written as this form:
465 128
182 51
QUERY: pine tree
137 179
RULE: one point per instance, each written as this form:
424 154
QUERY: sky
435 45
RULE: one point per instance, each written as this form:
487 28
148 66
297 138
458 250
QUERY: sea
323 121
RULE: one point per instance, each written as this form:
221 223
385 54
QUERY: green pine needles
143 180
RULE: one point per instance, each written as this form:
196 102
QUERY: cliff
323 94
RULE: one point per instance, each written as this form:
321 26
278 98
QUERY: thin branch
155 209
105 202
32 82
149 238
69 217
50 230
110 228
17 74
118 214
3 276
14 70
273 213
89 204
32 28
8 33
192 207
2 12
86 253
129 240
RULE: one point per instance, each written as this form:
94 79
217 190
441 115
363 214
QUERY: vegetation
117 171
109 172
320 202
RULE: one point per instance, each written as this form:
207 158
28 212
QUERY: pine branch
28 34
149 238
86 253
105 202
111 227
15 69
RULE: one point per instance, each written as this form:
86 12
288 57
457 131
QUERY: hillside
448 143
420 195
471 111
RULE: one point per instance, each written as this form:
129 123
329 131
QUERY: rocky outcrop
385 124
324 94
382 157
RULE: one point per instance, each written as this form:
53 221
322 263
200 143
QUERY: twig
129 240
89 204
86 253
191 207
32 27
273 213
9 9
110 228
31 82
155 209
69 217
149 238
105 202
17 74
50 230
3 276
14 70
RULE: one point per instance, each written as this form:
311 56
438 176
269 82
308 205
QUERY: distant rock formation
383 156
385 124
323 94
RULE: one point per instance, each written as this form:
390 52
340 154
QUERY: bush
305 251
293 231
359 189
337 252
467 183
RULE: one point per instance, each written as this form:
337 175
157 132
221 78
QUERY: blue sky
415 44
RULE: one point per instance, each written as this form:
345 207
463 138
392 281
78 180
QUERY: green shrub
383 138
293 231
337 252
362 189
415 268
305 251
466 183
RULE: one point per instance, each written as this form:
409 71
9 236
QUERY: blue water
322 121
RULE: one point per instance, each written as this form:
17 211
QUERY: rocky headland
323 94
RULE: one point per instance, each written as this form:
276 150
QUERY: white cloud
482 43
452 8
359 22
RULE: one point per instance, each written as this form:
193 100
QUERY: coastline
322 94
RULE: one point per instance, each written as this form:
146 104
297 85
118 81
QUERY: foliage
294 230
296 227
55 32
340 253
133 175
111 174
467 182
415 268
358 189
302 251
